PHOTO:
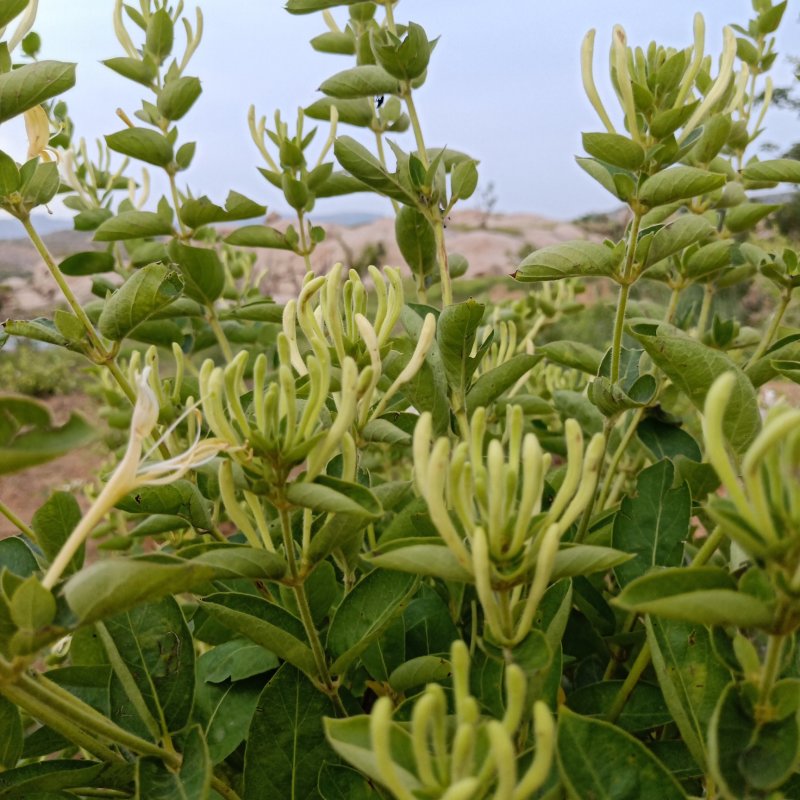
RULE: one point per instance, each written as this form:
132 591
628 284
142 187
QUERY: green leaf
705 596
89 263
598 760
365 613
492 384
744 754
53 522
678 183
338 782
367 80
110 586
693 367
415 238
335 42
351 112
779 170
132 225
235 660
28 437
181 498
9 174
225 711
133 69
653 524
8 10
584 559
160 34
32 84
147 291
142 144
351 739
310 6
11 737
786 349
574 355
747 215
17 557
361 164
336 496
41 187
569 260
665 440
178 96
709 258
156 781
286 745
264 623
258 236
202 270
644 709
156 647
691 678
464 179
455 334
419 671
677 236
620 151
420 556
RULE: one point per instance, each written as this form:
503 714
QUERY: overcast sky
504 85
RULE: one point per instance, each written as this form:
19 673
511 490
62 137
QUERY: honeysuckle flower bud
134 471
122 34
619 51
719 86
690 75
587 55
23 26
423 346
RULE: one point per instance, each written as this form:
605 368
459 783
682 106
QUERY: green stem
629 684
60 700
16 521
618 453
219 335
417 128
619 324
306 252
305 610
101 351
624 290
45 714
58 276
705 309
769 335
673 305
382 159
127 680
444 270
387 4
702 556
176 201
772 667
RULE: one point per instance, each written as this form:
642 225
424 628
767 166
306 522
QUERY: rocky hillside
492 247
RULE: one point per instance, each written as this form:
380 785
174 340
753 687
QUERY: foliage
360 545
42 372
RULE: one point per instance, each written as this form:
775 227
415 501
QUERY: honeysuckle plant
353 545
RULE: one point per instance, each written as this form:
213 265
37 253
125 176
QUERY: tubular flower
135 471
37 127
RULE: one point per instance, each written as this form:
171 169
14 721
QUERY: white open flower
135 471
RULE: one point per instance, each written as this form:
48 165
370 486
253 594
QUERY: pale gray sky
504 85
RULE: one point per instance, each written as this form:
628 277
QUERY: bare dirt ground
23 492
